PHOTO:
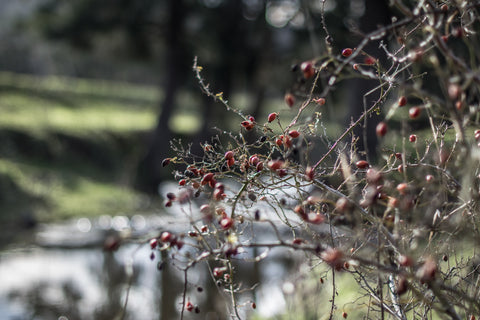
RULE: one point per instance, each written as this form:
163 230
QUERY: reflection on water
89 283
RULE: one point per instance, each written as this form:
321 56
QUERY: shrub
403 226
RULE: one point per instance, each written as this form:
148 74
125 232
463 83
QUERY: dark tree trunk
149 173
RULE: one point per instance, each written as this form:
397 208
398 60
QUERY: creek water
65 273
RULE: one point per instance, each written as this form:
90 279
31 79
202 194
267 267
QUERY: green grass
69 145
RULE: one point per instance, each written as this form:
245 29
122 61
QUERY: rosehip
402 101
226 223
414 112
362 164
165 162
228 155
182 182
402 188
309 173
319 101
294 134
289 99
253 160
347 52
275 164
281 173
230 162
189 306
153 243
272 117
369 60
287 142
166 236
307 69
342 205
381 129
412 138
259 166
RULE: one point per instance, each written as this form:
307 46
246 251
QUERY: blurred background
92 93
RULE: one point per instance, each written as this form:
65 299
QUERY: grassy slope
67 146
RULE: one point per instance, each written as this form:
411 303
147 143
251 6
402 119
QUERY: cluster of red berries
248 124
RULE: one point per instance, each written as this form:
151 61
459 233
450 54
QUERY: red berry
319 101
218 272
414 112
228 155
251 119
458 32
245 123
205 208
381 129
253 160
454 91
168 203
281 173
287 142
342 205
275 164
427 271
219 195
402 101
402 188
412 138
294 134
369 60
333 257
189 306
355 66
254 305
429 178
153 243
279 142
226 223
289 99
166 236
208 176
347 52
307 69
259 166
405 261
230 162
165 162
362 164
309 173
272 117
182 182
344 314
212 183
